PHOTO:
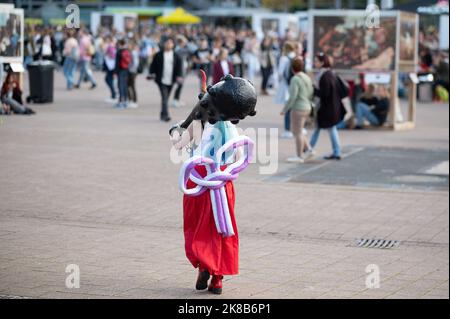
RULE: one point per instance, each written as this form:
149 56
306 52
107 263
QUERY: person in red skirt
217 155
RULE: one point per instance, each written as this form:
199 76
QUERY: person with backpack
331 90
284 76
123 61
71 53
301 93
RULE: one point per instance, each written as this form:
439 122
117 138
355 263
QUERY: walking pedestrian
285 74
132 74
86 53
331 111
71 55
109 65
123 61
252 56
203 56
183 51
222 67
301 93
267 62
166 69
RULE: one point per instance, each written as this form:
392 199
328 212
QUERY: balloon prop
216 179
230 100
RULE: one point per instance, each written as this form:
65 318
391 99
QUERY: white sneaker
133 105
111 100
309 154
287 134
295 159
176 104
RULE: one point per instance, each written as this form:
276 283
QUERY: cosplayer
217 155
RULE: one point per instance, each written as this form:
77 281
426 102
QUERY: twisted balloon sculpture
216 179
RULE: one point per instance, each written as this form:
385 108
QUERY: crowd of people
216 50
167 55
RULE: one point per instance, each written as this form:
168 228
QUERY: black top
331 110
379 107
157 67
202 55
381 110
371 101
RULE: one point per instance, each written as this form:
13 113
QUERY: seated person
371 107
11 97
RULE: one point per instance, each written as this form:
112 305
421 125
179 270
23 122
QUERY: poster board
345 36
408 30
11 34
360 42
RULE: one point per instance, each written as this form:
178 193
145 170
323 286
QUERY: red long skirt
205 247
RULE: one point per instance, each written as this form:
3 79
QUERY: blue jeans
85 70
334 137
341 125
27 60
123 85
69 67
98 60
363 112
287 121
109 79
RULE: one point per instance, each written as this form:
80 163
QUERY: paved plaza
84 184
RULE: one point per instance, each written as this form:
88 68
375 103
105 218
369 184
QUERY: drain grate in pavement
377 243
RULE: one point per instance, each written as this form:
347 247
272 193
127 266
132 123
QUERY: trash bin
40 74
425 87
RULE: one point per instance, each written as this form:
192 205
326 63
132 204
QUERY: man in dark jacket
166 69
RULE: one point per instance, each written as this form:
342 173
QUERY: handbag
91 50
343 87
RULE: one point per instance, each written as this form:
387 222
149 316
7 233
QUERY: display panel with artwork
408 41
11 35
353 45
